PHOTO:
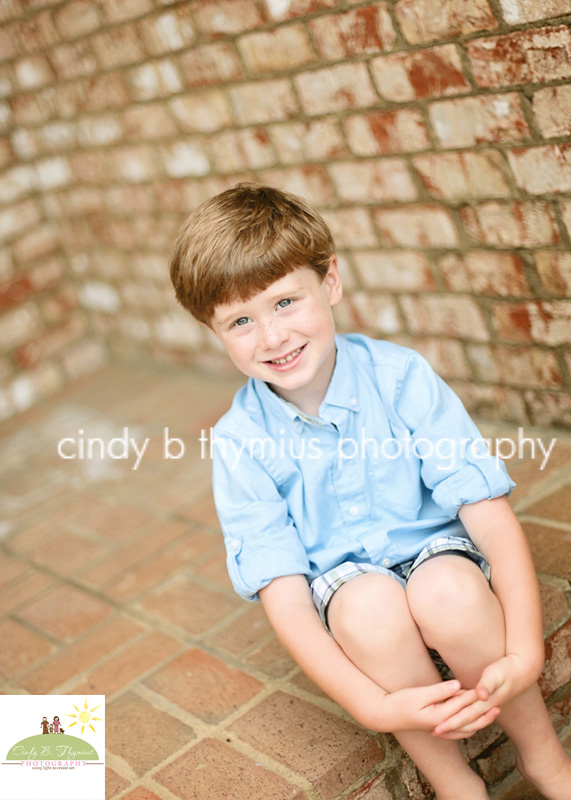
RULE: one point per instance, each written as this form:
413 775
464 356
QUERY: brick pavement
113 581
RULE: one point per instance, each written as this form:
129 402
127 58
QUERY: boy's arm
495 530
289 607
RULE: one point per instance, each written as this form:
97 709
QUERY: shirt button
354 510
234 544
386 562
353 401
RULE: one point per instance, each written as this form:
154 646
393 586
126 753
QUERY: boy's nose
272 335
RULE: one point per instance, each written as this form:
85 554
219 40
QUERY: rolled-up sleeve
261 540
455 462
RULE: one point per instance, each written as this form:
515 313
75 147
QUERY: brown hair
238 243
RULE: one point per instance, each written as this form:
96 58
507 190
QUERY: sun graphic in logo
84 717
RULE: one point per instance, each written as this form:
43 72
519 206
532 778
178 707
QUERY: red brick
359 31
527 367
65 612
30 585
36 245
272 659
472 120
148 122
114 783
141 793
205 113
37 33
216 63
462 175
422 21
236 151
555 506
114 520
21 649
351 227
76 19
328 751
243 632
18 218
311 182
159 78
33 72
552 109
449 316
167 32
128 665
435 72
51 342
374 312
557 671
277 10
542 322
370 181
174 601
158 734
486 272
379 132
117 47
73 60
80 655
226 17
260 102
276 50
18 326
338 88
204 685
416 226
393 270
517 11
542 170
521 224
317 140
215 770
122 10
554 269
446 357
65 553
566 214
547 408
533 56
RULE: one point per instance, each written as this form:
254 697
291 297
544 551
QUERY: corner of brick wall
433 137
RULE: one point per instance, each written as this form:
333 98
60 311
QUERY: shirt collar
341 393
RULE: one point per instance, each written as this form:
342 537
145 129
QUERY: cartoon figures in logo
45 725
56 725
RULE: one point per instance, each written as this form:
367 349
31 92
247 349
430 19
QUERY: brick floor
113 581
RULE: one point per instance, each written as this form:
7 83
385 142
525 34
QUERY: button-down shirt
380 472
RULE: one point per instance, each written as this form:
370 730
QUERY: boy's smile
284 335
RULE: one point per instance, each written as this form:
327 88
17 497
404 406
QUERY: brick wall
434 137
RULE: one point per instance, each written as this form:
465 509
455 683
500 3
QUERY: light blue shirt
382 470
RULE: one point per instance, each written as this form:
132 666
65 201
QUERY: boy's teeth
287 358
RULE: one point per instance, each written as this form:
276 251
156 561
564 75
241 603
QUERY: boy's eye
241 322
284 303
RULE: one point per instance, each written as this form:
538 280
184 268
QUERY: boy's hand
426 707
499 683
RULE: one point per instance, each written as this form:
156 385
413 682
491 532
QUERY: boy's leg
371 621
459 616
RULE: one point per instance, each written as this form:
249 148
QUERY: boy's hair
238 243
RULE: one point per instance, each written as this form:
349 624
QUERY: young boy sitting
359 503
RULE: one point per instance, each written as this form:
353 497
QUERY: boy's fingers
465 722
441 691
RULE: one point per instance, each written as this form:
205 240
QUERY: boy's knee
369 606
446 593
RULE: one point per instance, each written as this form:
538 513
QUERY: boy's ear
209 328
333 281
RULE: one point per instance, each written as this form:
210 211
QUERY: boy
369 544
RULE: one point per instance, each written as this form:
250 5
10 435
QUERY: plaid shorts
324 587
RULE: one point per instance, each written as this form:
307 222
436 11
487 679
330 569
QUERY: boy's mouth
286 359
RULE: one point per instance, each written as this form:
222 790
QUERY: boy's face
285 334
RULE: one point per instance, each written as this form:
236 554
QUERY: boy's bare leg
459 616
370 619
